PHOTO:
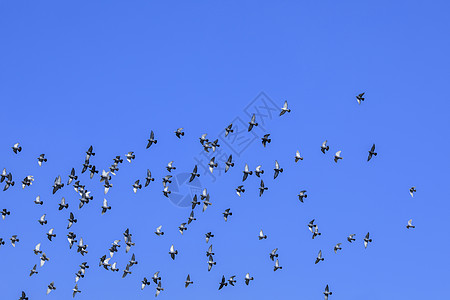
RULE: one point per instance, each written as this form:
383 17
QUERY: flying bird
258 171
188 281
159 231
350 238
223 282
319 257
191 218
262 188
262 235
158 289
42 220
194 174
51 287
248 278
57 184
145 282
337 156
277 266
44 258
360 98
33 271
252 123
105 206
170 167
226 214
277 170
50 234
71 220
412 190
324 147
228 130
179 133
327 292
228 163
410 225
173 252
5 213
75 290
367 240
212 164
148 178
273 254
136 186
130 156
152 140
297 156
302 195
265 139
240 189
372 152
246 172
285 108
16 148
231 280
41 159
208 236
211 263
337 247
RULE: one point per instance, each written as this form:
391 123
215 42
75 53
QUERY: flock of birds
106 178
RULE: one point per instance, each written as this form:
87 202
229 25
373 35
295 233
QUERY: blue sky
107 72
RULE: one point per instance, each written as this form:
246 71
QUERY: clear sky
105 73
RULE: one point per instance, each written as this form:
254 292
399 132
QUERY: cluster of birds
106 178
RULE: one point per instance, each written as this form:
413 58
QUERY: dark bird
208 236
277 266
262 235
319 257
191 217
92 170
151 140
302 195
258 171
412 190
5 213
33 271
203 138
246 172
156 277
86 165
211 263
126 271
273 254
265 139
228 130
327 292
41 159
158 289
297 156
170 167
285 108
231 280
63 204
410 225
50 234
51 287
188 281
71 220
90 152
360 98
148 178
136 186
337 156
118 160
228 163
179 133
262 188
223 283
173 252
367 240
371 152
130 155
350 238
195 202
240 189
75 290
212 164
71 238
252 123
209 251
226 214
194 174
24 296
27 181
9 181
248 278
337 247
72 176
57 184
145 282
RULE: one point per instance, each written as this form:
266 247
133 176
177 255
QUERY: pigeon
215 144
231 280
248 278
360 98
182 227
27 181
105 206
156 277
145 282
179 133
327 292
57 184
277 170
82 247
86 165
118 160
44 258
16 148
92 170
51 287
371 152
311 226
104 262
128 244
337 156
50 234
252 123
324 147
297 156
105 176
367 240
126 271
148 178
319 257
240 189
24 296
302 195
71 220
114 267
133 261
258 171
228 130
113 248
166 180
33 271
152 140
113 168
5 213
194 174
90 152
226 214
173 252
71 238
3 175
170 167
223 282
41 159
130 156
78 275
9 182
246 172
277 266
412 190
350 238
285 109
208 236
228 163
75 290
195 202
206 203
166 191
136 186
316 232
191 217
209 251
158 230
42 220
188 281
107 186
262 188
37 249
63 204
212 164
410 224
337 247
158 289
203 138
261 235
83 267
265 139
72 176
211 263
207 146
